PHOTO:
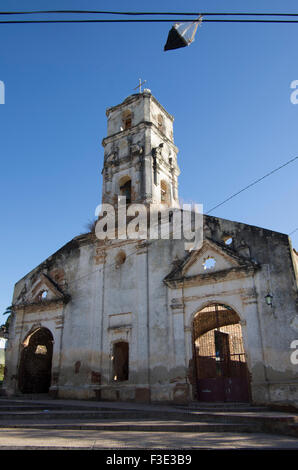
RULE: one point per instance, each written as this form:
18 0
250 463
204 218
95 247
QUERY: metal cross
140 85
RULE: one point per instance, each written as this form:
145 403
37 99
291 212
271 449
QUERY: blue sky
229 93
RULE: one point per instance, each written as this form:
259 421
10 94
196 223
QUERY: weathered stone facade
140 147
121 312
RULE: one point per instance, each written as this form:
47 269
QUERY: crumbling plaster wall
130 152
273 252
130 302
30 314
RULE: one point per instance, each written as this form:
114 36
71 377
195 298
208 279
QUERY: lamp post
268 299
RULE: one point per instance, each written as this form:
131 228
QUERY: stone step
32 407
30 413
42 401
251 417
77 414
82 414
216 404
254 421
133 426
5 402
221 405
292 430
24 405
228 409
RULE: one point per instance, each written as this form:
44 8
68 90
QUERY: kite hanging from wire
182 34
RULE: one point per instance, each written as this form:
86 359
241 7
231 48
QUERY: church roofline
243 224
77 241
136 96
86 238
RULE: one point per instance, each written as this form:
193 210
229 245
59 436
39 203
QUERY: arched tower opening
127 119
125 188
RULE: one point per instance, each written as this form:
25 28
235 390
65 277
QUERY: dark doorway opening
36 362
219 356
120 361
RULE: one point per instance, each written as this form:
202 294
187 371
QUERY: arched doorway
219 357
36 362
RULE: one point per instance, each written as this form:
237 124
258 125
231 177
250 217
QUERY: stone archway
219 357
34 374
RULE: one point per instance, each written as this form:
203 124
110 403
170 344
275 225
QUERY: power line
169 20
105 265
139 13
252 184
206 213
151 20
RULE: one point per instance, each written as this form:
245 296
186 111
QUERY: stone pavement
53 439
44 424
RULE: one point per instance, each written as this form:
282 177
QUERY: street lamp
268 299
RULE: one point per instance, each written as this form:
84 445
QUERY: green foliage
8 310
5 326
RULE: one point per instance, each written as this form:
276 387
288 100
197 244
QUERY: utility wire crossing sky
152 20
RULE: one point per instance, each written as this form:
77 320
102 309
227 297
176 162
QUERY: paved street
13 438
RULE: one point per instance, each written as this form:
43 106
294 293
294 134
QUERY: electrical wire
252 184
105 265
156 21
180 20
139 13
206 213
125 13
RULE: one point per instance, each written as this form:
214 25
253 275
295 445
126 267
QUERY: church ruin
147 320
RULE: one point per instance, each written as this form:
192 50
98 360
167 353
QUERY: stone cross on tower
140 85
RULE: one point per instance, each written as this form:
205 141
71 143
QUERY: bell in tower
140 158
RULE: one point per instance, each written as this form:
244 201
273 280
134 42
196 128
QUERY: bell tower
140 158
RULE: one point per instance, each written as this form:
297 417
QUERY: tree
5 326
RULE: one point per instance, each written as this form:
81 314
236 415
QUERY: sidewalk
45 424
53 439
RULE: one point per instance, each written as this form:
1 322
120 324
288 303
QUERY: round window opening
228 240
209 263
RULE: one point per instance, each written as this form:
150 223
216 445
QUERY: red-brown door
221 369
